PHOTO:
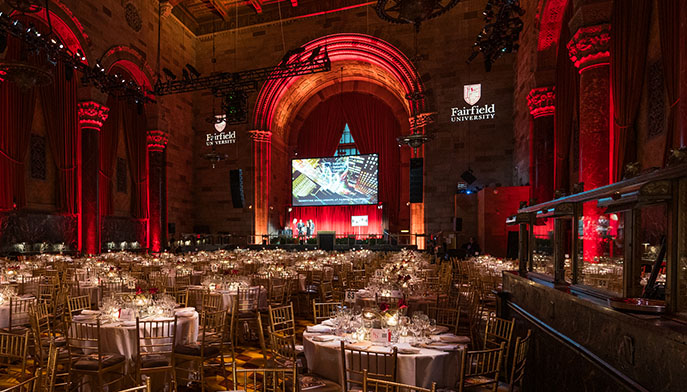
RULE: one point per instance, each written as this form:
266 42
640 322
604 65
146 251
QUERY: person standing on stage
311 228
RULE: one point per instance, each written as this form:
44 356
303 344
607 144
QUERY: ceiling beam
220 8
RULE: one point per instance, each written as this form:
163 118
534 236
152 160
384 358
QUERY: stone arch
130 60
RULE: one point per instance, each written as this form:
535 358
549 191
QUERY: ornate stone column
589 50
262 152
157 190
541 102
92 115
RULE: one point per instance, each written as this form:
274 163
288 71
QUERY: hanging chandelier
24 75
214 157
412 11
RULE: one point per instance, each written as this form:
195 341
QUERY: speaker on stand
236 181
416 180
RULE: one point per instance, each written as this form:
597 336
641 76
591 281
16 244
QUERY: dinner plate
408 350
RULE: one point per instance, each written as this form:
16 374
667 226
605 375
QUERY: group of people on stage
304 229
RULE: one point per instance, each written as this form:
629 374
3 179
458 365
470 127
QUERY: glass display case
623 240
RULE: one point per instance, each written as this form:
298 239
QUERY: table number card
350 295
380 335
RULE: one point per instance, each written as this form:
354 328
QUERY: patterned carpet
247 355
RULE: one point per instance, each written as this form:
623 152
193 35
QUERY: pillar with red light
589 50
541 102
157 191
92 115
262 152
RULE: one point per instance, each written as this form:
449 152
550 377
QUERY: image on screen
345 180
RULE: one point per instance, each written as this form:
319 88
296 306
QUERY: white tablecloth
121 339
421 369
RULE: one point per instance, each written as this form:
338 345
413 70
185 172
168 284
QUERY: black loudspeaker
468 177
236 180
416 180
457 224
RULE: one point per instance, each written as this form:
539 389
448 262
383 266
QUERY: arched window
346 144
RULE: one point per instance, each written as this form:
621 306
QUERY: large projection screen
345 180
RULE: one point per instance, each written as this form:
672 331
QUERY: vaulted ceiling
205 16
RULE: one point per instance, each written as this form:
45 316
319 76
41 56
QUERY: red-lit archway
357 59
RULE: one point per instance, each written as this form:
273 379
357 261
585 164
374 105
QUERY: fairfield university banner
472 93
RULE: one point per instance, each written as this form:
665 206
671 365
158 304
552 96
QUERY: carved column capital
157 140
259 136
542 101
92 114
590 46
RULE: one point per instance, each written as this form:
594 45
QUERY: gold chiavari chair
182 280
155 342
19 311
47 381
285 354
446 317
181 296
212 302
277 294
264 380
195 296
29 285
76 304
198 357
517 372
326 292
373 385
324 310
88 360
143 388
380 365
13 358
282 320
110 288
498 331
480 369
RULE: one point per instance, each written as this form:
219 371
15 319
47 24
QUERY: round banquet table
17 319
229 295
364 297
421 369
120 337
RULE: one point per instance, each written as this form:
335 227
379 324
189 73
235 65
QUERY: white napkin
359 345
451 339
89 312
405 348
380 349
186 313
319 328
189 309
129 323
84 317
323 338
328 323
442 346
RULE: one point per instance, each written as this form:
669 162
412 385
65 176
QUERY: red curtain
59 104
567 82
134 121
321 131
669 29
338 219
109 139
374 129
629 40
16 116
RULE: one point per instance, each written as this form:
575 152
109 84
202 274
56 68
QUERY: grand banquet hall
343 195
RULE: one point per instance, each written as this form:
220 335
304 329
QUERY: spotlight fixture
193 71
290 53
47 46
214 157
500 33
412 11
170 75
